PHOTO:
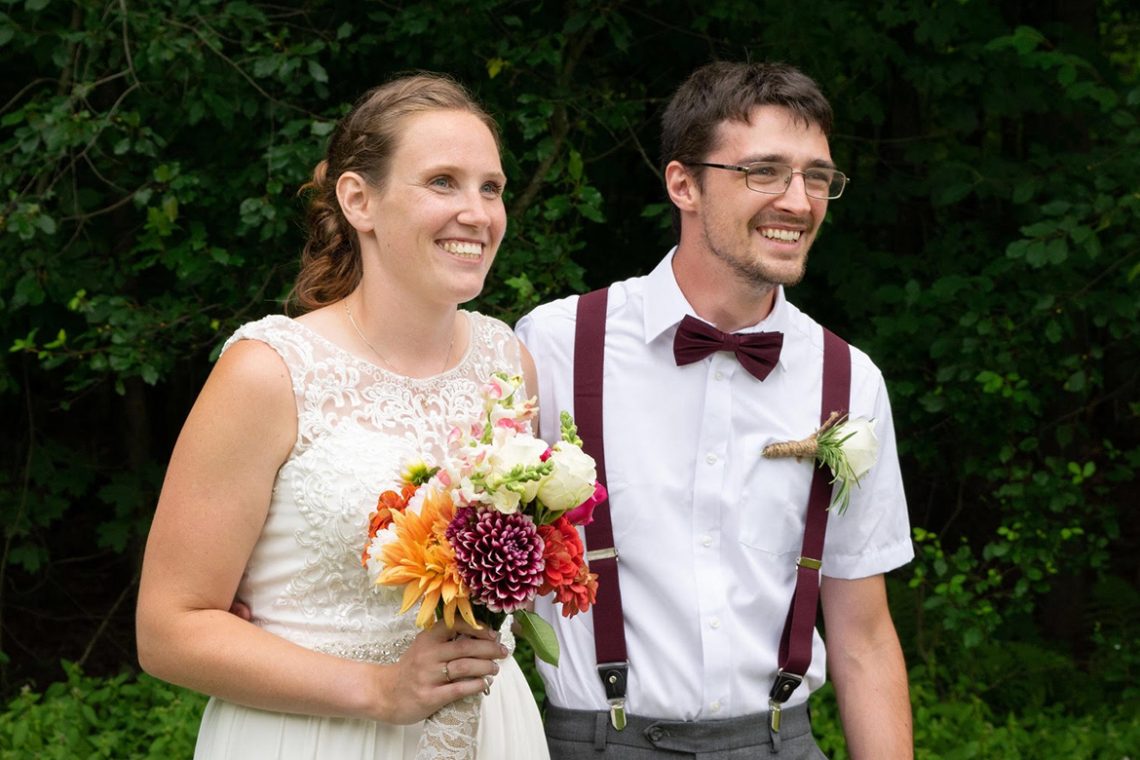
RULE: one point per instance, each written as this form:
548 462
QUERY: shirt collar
665 304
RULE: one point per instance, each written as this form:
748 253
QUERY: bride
303 423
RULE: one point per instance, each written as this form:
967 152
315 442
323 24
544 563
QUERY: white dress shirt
707 530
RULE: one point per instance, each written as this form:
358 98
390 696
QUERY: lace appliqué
449 734
357 426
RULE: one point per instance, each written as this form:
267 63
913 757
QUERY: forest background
984 255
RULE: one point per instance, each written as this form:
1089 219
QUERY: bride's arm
209 516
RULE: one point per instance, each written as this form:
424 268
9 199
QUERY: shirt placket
708 517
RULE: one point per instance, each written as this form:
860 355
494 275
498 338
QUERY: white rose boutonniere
848 447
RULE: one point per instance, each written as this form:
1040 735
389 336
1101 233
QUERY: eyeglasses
774 179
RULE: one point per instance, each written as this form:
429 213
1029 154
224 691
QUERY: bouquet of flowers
492 527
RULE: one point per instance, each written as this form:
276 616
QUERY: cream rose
861 449
572 481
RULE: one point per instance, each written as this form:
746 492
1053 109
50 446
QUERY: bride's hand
441 666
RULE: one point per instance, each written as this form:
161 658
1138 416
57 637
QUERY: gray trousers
587 735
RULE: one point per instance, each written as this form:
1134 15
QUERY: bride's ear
354 195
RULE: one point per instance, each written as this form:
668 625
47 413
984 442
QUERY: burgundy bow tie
756 352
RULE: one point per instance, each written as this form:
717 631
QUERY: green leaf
317 71
538 633
574 165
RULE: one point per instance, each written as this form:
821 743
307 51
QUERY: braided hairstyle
364 142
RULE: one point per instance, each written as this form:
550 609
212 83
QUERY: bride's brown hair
364 142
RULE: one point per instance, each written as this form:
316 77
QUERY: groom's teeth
789 236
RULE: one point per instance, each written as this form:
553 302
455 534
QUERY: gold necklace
390 365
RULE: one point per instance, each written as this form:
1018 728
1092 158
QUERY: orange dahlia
423 562
566 573
578 595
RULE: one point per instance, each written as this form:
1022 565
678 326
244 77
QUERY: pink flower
515 425
583 514
499 557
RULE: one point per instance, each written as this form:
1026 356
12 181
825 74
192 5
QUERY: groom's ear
355 197
683 188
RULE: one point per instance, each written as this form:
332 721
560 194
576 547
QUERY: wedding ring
446 673
487 685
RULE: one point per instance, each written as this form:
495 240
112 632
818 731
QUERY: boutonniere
847 446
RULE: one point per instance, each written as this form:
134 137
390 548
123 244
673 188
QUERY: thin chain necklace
390 365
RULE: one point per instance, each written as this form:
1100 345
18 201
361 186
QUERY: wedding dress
358 425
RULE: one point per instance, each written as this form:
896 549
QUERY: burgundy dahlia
499 557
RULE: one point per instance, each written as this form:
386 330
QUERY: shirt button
719 375
715 707
706 540
710 458
714 623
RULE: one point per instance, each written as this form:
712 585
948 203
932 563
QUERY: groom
698 652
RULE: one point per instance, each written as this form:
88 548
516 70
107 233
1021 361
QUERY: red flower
583 514
566 573
579 594
389 502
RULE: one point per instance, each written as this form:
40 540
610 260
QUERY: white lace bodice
358 425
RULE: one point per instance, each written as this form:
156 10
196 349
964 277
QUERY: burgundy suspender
796 641
609 627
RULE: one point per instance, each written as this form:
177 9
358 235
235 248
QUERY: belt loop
600 723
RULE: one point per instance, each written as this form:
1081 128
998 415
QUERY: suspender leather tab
614 676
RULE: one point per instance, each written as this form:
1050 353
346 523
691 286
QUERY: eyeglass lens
775 178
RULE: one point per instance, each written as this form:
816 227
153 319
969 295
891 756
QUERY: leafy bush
967 727
985 255
126 717
87 717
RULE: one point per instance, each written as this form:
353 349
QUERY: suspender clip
774 715
617 714
596 554
614 675
785 684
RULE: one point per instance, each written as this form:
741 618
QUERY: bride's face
439 218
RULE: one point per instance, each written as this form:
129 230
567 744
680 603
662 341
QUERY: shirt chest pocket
773 508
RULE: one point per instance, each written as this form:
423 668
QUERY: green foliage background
985 255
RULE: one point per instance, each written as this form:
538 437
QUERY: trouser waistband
675 735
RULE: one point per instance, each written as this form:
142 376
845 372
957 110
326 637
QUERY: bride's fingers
484 649
462 628
467 667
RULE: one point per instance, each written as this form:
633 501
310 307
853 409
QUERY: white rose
572 480
861 449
